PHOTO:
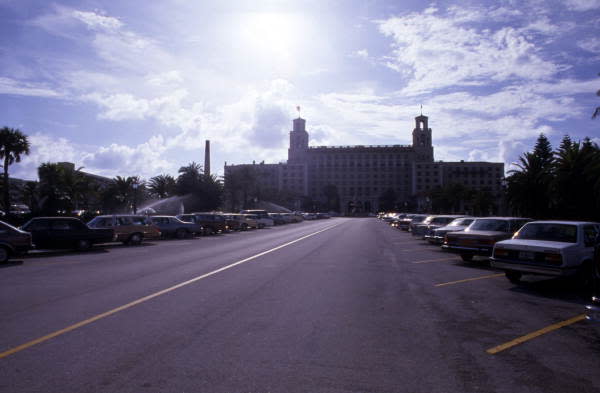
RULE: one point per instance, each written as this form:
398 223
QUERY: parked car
479 237
549 248
65 232
592 310
171 226
232 222
277 219
129 228
243 221
404 223
13 241
261 216
213 223
426 229
416 220
458 224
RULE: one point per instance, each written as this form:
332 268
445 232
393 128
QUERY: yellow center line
149 297
470 279
537 333
436 260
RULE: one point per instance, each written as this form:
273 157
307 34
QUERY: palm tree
31 195
162 186
50 187
13 143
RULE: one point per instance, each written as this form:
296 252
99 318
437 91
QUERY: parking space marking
537 333
151 296
436 260
470 279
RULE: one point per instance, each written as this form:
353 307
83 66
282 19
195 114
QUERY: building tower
298 141
422 140
207 158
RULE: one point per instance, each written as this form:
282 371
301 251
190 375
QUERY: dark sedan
65 232
13 241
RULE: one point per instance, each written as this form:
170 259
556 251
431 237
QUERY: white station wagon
550 248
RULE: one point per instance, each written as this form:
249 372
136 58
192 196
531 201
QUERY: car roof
564 222
502 218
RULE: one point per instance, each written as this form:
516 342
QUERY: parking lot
334 305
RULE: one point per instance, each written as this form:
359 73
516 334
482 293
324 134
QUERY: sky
136 87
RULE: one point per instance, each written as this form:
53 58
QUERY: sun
271 33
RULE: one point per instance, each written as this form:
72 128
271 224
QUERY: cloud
590 44
144 159
45 148
11 86
453 50
582 5
97 21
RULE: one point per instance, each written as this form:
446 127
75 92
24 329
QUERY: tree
31 196
50 188
162 186
13 143
576 181
205 192
529 187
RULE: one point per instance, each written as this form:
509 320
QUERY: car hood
533 245
452 228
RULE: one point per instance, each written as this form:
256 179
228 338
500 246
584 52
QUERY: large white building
361 174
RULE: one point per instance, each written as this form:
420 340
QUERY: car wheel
513 277
467 257
244 227
261 226
135 239
83 245
181 233
4 254
208 231
585 276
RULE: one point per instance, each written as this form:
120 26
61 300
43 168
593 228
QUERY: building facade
357 177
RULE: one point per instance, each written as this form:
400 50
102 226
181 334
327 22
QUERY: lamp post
135 187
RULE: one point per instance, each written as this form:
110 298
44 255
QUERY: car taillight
445 239
553 258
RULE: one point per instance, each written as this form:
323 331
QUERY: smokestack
207 158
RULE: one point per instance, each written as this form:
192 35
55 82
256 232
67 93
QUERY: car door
61 233
40 233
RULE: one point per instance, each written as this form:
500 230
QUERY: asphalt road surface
339 305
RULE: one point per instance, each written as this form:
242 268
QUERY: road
339 305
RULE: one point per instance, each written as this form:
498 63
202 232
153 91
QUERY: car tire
244 227
4 254
466 257
135 239
585 277
208 231
181 233
513 277
83 245
261 226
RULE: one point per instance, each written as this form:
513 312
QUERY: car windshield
441 220
461 222
551 232
489 225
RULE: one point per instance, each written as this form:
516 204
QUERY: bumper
482 251
533 268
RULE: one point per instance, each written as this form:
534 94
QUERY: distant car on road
65 232
129 228
550 248
479 237
13 241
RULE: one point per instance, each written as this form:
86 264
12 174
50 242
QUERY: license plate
526 255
